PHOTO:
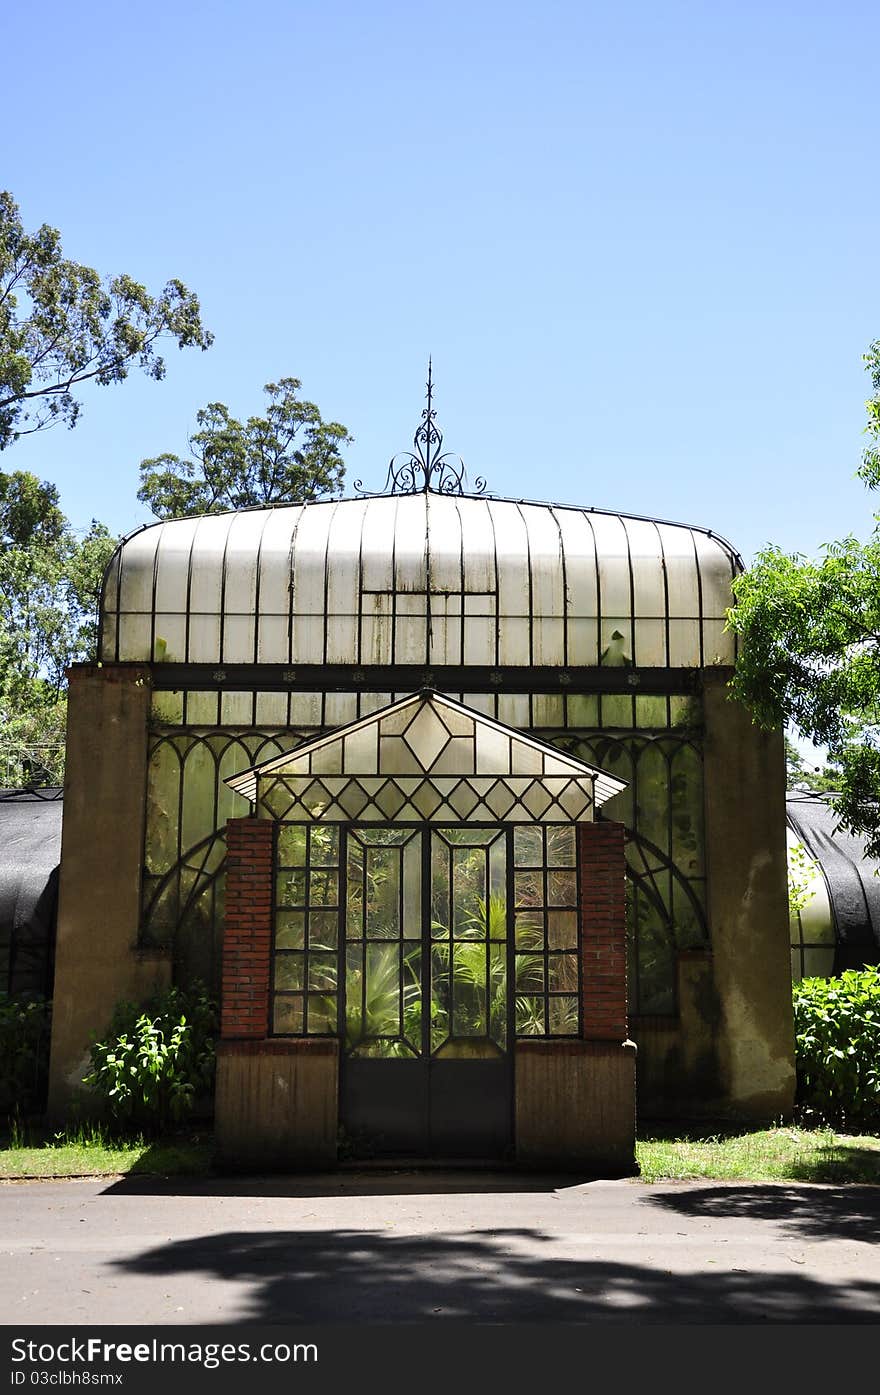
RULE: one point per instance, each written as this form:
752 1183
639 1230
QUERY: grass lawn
785 1154
90 1154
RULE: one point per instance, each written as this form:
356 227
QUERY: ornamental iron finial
427 468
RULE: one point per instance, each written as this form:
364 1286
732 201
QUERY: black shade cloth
853 887
30 851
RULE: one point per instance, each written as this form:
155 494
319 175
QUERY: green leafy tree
49 580
62 325
289 454
818 779
811 648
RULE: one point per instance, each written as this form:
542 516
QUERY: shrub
24 1053
154 1061
837 1045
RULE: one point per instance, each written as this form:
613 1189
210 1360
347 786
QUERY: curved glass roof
420 578
843 910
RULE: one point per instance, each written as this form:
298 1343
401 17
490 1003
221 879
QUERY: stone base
276 1104
576 1105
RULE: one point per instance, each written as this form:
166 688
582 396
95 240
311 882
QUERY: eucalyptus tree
288 454
63 325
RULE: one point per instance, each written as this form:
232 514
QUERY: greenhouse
30 851
835 919
444 796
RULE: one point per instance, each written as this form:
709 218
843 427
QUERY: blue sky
639 240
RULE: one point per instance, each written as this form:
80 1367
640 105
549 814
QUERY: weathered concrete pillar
97 961
748 905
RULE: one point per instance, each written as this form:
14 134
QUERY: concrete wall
575 1105
277 1103
747 909
97 961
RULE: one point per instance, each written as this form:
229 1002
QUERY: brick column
247 941
603 931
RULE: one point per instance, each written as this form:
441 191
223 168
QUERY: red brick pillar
247 941
603 931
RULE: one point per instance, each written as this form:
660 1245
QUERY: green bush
24 1053
154 1061
837 1045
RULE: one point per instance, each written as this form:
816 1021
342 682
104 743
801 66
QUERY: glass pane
289 969
651 712
322 1013
324 845
617 711
383 893
498 993
528 888
412 889
469 990
469 893
498 889
440 867
323 888
382 837
440 975
290 929
529 973
412 996
561 889
562 976
529 930
467 837
355 890
287 1016
562 929
292 844
528 847
354 976
529 1016
564 1016
323 929
322 971
686 801
383 992
561 847
687 921
291 889
655 960
818 963
684 711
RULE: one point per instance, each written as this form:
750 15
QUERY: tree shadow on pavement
390 1181
481 1276
811 1212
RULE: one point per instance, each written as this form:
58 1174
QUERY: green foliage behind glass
837 1044
153 1062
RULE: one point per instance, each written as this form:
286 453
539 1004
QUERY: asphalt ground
404 1246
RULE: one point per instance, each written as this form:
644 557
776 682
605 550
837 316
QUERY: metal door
426 1068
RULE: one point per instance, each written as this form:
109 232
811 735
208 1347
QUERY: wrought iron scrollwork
427 467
